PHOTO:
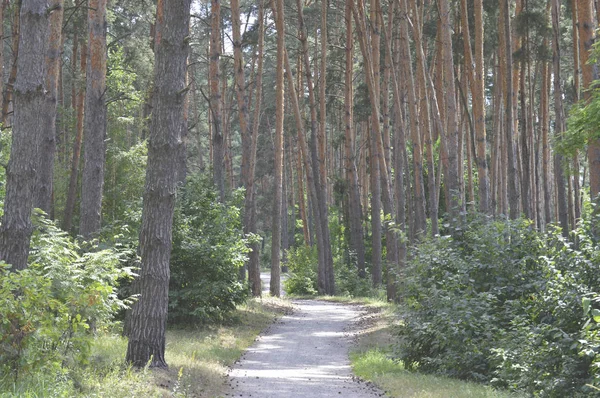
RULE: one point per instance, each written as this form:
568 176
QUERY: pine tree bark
452 128
561 195
214 78
589 73
28 129
80 105
9 90
94 143
250 201
354 209
165 145
512 175
44 186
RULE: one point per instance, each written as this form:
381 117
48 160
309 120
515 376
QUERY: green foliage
501 303
208 249
49 307
302 264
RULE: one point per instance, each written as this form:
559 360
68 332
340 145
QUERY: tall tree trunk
215 97
149 314
43 194
80 105
512 179
250 201
545 127
561 195
9 89
94 144
354 210
589 74
28 128
242 103
451 109
278 170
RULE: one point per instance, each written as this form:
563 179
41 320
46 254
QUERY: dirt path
302 355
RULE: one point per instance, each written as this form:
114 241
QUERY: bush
48 308
302 264
208 250
502 303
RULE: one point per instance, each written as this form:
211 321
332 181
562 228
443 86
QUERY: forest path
304 354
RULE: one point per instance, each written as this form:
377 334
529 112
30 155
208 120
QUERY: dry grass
198 361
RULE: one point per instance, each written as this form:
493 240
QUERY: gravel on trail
304 354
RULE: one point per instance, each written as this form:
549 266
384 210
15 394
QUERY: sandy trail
302 355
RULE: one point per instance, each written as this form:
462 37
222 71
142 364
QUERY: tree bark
8 91
72 193
28 128
354 209
149 314
451 110
44 186
94 144
215 98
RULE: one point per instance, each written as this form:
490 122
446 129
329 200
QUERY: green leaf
586 305
596 315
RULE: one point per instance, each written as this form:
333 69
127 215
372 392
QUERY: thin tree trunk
250 202
451 110
43 194
215 98
28 128
72 193
354 210
94 144
561 198
512 180
165 145
8 91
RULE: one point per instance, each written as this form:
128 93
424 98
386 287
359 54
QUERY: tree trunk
512 175
165 144
561 195
8 91
94 144
43 194
28 129
451 110
72 193
250 201
215 98
275 289
589 74
354 209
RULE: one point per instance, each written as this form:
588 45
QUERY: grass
371 361
198 361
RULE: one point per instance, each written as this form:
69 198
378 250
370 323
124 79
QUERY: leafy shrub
302 264
208 250
502 303
48 307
